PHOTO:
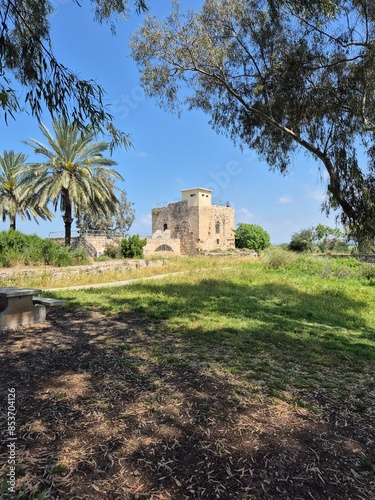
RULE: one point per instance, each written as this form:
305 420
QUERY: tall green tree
13 199
252 237
72 173
27 57
278 76
117 223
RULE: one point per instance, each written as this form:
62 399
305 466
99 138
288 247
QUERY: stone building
196 221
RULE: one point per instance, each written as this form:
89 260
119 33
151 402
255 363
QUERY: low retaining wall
362 257
230 254
96 268
370 258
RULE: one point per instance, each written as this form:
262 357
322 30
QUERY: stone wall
216 228
164 245
94 245
198 227
362 257
95 268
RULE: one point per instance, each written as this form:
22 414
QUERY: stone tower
199 224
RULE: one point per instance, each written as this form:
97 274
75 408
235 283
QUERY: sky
169 153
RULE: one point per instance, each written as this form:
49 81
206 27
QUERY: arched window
165 227
217 227
164 248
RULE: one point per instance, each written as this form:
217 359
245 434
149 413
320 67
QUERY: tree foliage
14 200
252 236
26 56
302 241
117 222
74 173
278 76
329 238
322 237
132 247
17 248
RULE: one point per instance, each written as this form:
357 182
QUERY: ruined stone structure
162 243
194 224
94 244
195 221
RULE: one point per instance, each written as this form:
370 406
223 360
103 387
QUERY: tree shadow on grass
129 406
326 327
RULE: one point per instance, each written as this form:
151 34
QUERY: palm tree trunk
12 219
67 218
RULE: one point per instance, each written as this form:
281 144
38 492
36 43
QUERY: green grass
45 277
280 329
223 339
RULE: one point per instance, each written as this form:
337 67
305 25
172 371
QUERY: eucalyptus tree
13 199
117 223
73 174
278 76
27 57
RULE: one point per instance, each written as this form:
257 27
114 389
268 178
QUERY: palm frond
75 172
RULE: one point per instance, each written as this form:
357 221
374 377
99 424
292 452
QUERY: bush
368 272
337 245
252 237
132 247
112 250
62 258
15 248
312 265
12 240
50 251
23 249
321 238
302 241
278 259
80 257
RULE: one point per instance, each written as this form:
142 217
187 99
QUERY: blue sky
169 153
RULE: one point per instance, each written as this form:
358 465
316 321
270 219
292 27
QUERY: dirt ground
98 417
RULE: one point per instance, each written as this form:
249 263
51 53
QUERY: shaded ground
98 416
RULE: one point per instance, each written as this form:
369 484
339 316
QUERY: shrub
368 272
337 245
62 258
278 259
112 250
24 249
252 237
132 247
15 248
302 241
12 240
50 251
312 265
102 258
79 256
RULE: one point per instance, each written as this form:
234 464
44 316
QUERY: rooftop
196 189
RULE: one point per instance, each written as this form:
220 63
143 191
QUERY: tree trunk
67 218
12 226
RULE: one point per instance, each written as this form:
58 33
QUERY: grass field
273 328
234 379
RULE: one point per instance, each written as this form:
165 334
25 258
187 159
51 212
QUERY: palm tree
13 199
72 173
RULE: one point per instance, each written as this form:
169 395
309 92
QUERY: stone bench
49 303
22 306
